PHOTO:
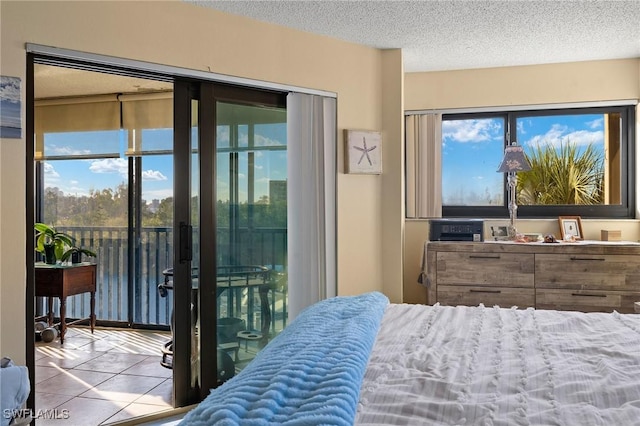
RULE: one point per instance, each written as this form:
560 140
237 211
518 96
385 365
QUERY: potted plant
51 243
75 253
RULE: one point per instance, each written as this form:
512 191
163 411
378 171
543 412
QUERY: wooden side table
61 281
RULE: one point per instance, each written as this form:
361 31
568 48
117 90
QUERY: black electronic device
456 230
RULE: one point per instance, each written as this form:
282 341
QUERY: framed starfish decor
363 152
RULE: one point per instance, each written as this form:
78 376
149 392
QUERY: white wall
184 35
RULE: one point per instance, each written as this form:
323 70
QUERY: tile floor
97 379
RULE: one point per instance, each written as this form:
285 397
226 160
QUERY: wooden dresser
583 276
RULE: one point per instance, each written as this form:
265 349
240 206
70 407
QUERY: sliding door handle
186 242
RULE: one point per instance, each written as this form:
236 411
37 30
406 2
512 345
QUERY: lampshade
514 160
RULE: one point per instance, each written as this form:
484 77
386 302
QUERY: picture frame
10 107
500 233
570 227
363 152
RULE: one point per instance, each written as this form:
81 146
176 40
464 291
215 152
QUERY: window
471 151
582 162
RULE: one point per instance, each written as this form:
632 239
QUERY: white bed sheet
435 365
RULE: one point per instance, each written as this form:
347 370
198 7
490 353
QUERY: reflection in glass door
251 204
230 260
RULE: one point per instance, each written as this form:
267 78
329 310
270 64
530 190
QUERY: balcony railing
257 246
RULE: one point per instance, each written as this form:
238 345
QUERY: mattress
492 366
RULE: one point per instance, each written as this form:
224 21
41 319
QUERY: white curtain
424 165
311 199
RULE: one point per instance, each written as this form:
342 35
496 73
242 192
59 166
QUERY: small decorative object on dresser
500 233
570 228
610 235
514 161
363 152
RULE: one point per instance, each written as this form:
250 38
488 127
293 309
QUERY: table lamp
514 161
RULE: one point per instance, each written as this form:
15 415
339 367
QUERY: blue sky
78 177
472 150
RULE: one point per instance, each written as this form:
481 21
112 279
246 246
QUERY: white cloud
110 165
596 124
585 137
153 175
559 134
222 135
50 172
243 139
264 141
470 130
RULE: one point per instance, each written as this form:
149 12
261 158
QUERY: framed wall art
363 152
570 228
10 108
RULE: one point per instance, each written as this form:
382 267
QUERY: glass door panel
85 193
251 226
155 236
195 246
230 233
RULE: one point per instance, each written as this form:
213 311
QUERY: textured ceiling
449 35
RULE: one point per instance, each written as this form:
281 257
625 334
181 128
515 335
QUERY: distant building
277 191
154 205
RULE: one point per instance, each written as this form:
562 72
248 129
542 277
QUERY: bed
362 360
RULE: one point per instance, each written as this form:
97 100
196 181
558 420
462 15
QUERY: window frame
625 210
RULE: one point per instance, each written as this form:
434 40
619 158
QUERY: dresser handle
589 295
485 291
587 258
479 256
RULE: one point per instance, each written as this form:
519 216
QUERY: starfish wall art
363 152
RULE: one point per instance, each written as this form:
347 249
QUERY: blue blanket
310 374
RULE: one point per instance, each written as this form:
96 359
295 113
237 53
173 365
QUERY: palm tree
565 175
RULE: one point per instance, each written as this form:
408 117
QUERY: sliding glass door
248 177
230 263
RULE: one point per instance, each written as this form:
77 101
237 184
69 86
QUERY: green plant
56 245
49 240
77 251
566 175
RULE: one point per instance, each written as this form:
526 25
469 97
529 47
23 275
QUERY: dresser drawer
505 297
587 272
485 269
587 300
